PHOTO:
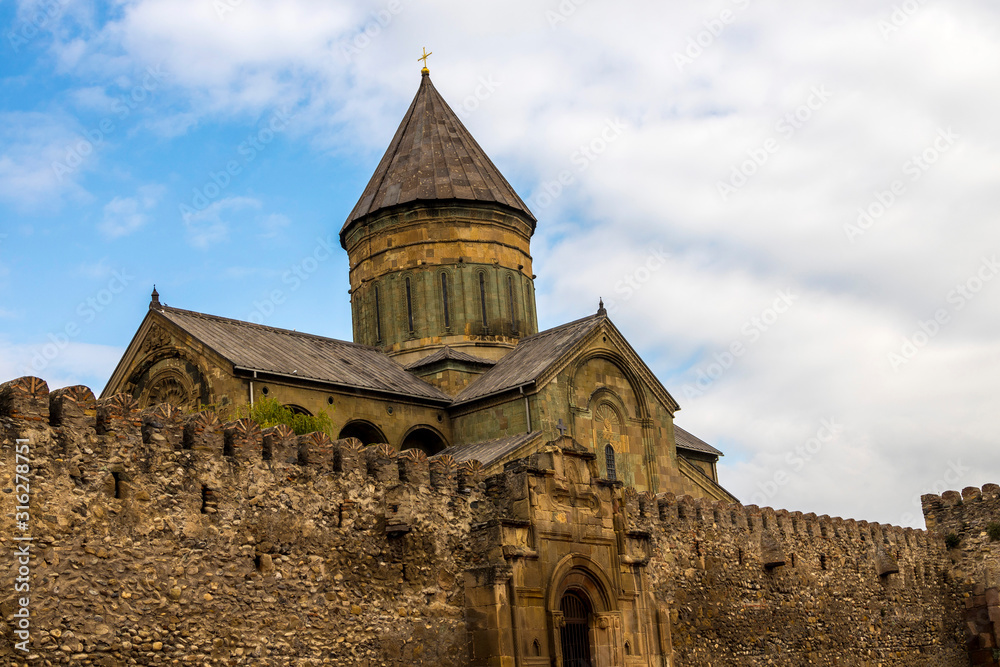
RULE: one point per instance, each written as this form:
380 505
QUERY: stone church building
447 356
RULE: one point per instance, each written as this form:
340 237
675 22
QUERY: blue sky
790 210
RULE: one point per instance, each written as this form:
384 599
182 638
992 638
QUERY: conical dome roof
433 157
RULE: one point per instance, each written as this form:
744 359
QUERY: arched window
409 307
444 300
482 295
378 317
510 303
609 459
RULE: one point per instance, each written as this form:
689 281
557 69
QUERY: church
447 356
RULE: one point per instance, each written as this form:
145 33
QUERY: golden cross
424 58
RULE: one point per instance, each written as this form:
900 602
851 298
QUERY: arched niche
580 593
365 431
425 438
608 363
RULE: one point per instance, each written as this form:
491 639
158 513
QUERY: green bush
951 540
269 412
993 530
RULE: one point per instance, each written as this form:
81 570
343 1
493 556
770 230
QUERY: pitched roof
445 353
532 356
488 451
433 157
686 440
266 349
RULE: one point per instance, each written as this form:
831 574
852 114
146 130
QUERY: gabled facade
447 357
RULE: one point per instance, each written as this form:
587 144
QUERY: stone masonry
165 538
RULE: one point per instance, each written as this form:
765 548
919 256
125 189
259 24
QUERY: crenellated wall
160 537
970 523
757 586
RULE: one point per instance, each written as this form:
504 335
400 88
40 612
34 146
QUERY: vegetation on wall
269 412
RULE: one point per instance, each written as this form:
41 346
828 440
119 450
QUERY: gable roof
529 359
489 451
446 353
686 440
434 157
255 347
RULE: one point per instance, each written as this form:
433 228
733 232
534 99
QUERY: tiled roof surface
488 451
532 356
687 441
433 157
266 349
446 353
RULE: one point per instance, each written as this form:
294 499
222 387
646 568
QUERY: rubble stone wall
164 538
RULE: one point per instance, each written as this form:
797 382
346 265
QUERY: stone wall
164 538
752 586
969 522
168 538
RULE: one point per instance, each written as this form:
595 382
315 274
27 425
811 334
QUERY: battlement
137 438
970 511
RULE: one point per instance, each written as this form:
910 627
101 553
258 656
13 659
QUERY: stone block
73 407
242 439
381 463
119 414
316 450
26 398
163 424
443 470
279 445
202 432
414 468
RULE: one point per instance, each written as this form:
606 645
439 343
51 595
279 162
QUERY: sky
790 209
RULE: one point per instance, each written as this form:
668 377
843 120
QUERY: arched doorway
575 632
366 432
425 439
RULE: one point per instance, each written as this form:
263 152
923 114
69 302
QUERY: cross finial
561 428
424 70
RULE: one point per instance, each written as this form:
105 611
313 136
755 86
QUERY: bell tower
439 244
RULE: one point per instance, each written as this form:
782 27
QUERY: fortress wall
969 522
167 538
756 586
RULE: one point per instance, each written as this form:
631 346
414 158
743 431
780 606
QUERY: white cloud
686 129
125 215
62 364
40 159
211 225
